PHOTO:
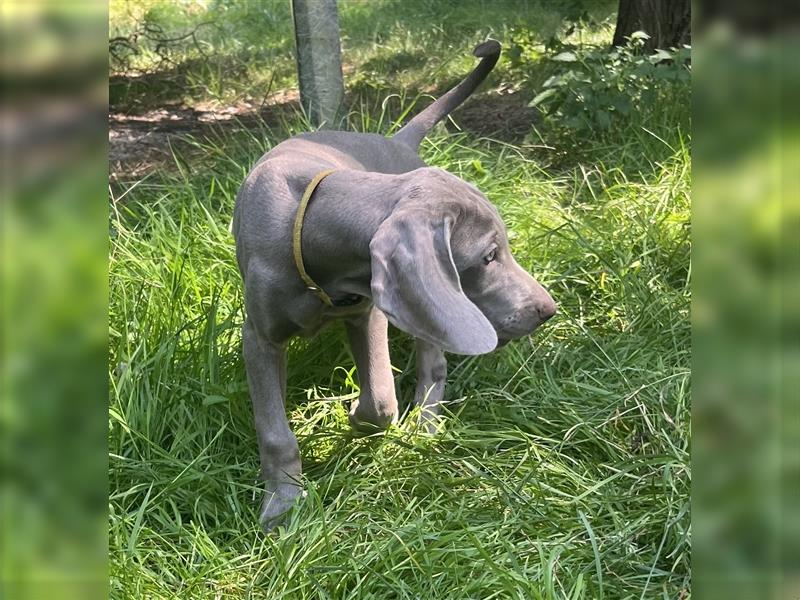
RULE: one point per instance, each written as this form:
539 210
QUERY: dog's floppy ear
415 283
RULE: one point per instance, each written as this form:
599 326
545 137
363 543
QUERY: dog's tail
417 128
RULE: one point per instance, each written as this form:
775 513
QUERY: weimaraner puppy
354 226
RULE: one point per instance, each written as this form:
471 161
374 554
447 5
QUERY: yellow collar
297 237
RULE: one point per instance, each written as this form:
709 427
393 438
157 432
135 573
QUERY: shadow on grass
395 62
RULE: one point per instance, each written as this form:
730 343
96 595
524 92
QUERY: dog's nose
547 309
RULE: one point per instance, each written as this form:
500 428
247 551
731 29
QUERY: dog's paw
278 504
370 421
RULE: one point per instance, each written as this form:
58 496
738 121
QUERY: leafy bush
597 88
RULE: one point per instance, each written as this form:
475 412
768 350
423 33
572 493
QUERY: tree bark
667 22
319 61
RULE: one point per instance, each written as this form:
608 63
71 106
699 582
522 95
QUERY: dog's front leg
431 377
277 445
376 407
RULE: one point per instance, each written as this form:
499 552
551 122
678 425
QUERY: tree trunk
319 61
667 22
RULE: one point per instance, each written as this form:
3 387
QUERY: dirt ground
140 142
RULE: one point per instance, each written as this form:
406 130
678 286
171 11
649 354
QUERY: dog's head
442 269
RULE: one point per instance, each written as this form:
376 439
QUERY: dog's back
346 150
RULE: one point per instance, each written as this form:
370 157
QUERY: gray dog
385 239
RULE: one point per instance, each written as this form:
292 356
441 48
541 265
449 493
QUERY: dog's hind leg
376 407
277 445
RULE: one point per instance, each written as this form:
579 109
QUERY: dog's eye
490 257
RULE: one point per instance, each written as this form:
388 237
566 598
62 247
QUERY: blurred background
746 369
53 422
161 68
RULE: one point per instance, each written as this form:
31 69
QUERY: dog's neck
342 217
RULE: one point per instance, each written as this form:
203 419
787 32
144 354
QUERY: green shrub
596 88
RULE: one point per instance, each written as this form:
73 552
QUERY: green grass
244 49
562 470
